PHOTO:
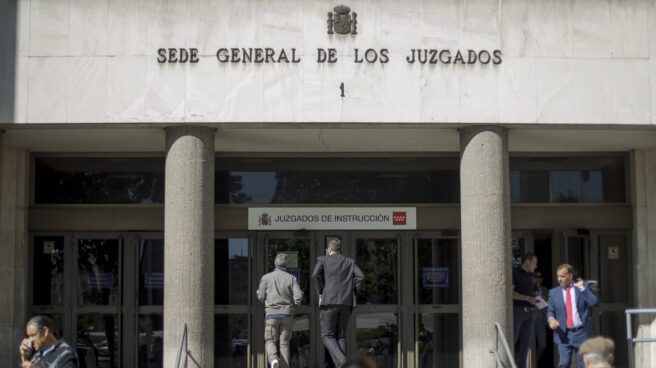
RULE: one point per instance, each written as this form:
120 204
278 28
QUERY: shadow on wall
8 33
11 329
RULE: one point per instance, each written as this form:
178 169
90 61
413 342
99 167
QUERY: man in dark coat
336 279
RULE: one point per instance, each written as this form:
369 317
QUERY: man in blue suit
569 314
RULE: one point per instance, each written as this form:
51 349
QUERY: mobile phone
31 350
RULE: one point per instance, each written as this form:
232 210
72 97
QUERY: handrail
506 348
184 348
629 331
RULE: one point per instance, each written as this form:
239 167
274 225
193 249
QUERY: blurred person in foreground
598 352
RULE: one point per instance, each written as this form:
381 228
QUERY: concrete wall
578 61
13 253
644 248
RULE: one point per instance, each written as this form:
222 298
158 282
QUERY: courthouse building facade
157 154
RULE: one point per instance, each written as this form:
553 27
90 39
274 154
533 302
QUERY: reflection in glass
151 341
97 264
337 186
231 340
529 186
437 275
377 258
592 186
437 340
231 271
576 249
377 335
298 252
48 270
567 179
566 186
97 340
151 272
99 180
299 345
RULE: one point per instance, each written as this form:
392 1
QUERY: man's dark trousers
334 320
571 343
524 323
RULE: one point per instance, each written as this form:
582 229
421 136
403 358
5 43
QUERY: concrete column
486 238
643 170
189 244
13 250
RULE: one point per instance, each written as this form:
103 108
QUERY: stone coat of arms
342 21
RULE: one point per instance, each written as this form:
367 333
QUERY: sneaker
275 363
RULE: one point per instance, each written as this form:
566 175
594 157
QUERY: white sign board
332 218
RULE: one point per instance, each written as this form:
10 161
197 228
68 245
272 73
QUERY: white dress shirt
575 312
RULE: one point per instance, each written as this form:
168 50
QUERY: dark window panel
377 258
567 179
334 187
231 340
377 335
98 344
438 340
98 272
529 186
151 341
99 180
437 274
48 270
151 272
231 275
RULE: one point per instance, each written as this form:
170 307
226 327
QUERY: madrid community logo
399 218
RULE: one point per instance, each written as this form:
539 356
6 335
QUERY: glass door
98 300
375 321
612 266
233 296
437 301
50 270
149 249
604 259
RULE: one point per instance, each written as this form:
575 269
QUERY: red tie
568 308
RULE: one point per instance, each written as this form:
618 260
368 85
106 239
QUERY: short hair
335 245
40 322
597 350
281 260
528 257
566 266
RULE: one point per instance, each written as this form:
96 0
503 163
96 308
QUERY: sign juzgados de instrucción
332 218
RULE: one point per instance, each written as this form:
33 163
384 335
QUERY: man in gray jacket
280 293
336 279
41 349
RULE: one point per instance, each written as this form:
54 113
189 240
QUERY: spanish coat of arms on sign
342 21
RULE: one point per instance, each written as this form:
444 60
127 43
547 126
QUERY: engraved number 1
341 87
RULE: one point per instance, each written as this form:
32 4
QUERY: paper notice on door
540 303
